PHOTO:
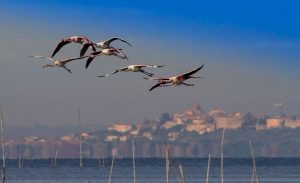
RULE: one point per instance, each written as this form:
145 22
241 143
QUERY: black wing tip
93 48
59 46
199 68
118 38
82 52
85 48
127 42
152 88
88 62
155 86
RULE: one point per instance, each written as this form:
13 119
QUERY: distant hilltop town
192 133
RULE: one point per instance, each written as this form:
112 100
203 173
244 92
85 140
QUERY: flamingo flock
105 48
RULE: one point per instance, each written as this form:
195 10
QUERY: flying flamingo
109 52
134 68
175 80
59 63
73 39
103 45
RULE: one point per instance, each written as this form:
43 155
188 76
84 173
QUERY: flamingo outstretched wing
188 74
109 41
159 84
60 45
91 58
85 46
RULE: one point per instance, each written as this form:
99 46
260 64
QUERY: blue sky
250 50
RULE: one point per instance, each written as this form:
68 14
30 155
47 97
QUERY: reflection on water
152 171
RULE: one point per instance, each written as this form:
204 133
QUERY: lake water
152 170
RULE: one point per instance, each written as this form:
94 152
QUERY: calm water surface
281 170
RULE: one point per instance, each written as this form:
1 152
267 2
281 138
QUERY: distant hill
192 133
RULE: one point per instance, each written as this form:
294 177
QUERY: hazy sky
250 49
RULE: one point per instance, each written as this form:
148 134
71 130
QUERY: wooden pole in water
254 164
99 159
181 173
167 163
80 140
112 163
99 162
80 150
252 176
23 160
222 155
3 149
103 160
208 167
20 156
55 158
133 160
